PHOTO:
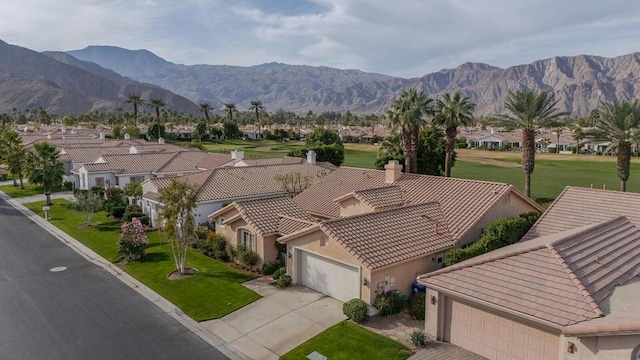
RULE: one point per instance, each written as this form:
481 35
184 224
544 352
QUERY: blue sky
400 37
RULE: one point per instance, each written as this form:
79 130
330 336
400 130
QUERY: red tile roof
562 278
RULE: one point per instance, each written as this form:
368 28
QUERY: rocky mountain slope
63 84
580 82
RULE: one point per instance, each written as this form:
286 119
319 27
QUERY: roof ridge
583 290
401 207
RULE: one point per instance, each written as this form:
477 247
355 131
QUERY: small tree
133 190
179 199
295 183
88 202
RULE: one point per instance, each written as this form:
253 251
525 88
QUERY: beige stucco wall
404 275
509 205
231 233
620 347
353 206
432 314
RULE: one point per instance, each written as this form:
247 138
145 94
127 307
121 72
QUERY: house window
136 179
247 239
100 181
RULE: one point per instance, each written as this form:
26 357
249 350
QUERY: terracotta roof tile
463 201
389 236
382 197
562 278
288 225
264 214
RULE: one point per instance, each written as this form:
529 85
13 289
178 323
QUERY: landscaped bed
348 341
215 291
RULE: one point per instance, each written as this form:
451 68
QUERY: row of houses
567 290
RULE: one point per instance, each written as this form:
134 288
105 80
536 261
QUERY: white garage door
496 337
329 277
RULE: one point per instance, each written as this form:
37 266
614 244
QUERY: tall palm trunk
450 141
414 150
528 158
624 162
406 147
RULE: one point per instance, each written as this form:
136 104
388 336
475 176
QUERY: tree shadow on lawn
154 257
233 276
111 226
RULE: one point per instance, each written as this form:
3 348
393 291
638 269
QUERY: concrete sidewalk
283 319
67 195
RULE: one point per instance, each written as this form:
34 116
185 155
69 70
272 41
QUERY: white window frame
248 235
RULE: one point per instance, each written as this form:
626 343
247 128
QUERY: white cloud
403 37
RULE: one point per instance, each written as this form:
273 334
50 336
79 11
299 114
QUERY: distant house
568 290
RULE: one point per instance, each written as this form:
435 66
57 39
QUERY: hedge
499 233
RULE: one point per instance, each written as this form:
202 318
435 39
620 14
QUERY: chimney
127 136
237 155
393 171
49 137
604 187
133 150
101 135
161 141
311 157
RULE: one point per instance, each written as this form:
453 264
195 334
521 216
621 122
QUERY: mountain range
100 77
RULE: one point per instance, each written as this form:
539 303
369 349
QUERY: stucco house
378 230
221 186
257 223
567 291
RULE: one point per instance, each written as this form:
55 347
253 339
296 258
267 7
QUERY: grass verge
214 292
29 190
349 341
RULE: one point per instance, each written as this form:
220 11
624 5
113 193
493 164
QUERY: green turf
29 190
349 341
551 177
214 292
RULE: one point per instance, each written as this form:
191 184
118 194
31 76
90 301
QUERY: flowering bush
132 239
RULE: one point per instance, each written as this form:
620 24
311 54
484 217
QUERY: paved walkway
398 327
442 350
68 195
278 322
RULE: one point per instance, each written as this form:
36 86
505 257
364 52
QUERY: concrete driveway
278 322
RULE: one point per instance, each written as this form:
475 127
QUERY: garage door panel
329 277
495 336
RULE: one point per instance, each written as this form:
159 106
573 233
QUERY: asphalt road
79 313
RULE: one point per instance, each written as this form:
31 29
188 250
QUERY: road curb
163 304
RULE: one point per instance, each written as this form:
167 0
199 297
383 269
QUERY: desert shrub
499 233
246 256
418 339
416 306
278 273
389 302
270 267
283 281
133 208
203 231
355 309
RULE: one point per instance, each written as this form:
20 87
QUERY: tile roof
237 182
264 215
561 278
288 225
382 197
577 206
463 201
386 237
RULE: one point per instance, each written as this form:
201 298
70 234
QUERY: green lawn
29 190
550 177
349 341
214 292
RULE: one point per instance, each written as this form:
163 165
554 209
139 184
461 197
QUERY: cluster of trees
40 164
325 143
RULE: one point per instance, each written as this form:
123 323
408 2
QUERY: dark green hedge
500 233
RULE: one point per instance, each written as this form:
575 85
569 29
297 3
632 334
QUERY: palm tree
452 112
578 134
409 114
256 106
157 104
136 100
44 167
530 110
13 155
205 107
618 122
230 109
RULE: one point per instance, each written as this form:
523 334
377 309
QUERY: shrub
418 339
283 281
355 309
389 302
132 239
127 216
133 208
246 256
67 186
416 306
499 233
270 267
278 273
